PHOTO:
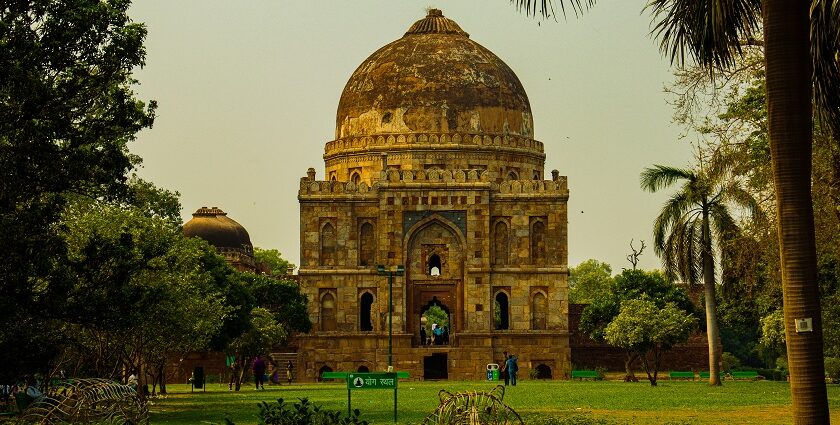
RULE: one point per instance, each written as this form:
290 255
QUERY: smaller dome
214 226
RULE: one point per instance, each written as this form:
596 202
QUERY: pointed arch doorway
434 274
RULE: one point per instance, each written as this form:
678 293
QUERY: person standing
259 372
289 367
512 368
504 372
233 367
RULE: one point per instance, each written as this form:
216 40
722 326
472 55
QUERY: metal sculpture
473 408
89 401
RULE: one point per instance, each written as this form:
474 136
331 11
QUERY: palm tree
691 224
799 37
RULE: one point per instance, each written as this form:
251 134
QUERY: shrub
730 361
568 420
832 369
303 413
602 373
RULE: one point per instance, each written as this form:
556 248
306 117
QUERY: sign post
368 381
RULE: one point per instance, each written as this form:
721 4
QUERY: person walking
512 368
259 372
289 367
504 372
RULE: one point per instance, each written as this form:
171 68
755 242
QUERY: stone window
367 244
501 242
513 175
537 240
356 178
365 312
435 266
539 307
501 311
328 244
328 311
537 175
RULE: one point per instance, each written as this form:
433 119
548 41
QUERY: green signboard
371 381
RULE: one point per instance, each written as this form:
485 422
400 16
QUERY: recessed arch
321 370
539 310
367 244
356 178
366 312
501 310
434 266
328 322
538 240
501 242
328 241
543 371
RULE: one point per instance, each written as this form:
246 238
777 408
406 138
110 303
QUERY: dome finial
436 23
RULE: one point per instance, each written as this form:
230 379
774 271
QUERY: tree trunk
789 96
162 374
629 376
651 376
712 331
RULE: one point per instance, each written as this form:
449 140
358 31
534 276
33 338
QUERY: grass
678 402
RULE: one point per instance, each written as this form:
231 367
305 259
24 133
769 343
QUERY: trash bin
492 372
198 377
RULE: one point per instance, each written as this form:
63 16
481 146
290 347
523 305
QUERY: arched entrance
435 323
434 275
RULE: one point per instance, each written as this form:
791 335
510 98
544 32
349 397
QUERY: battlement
473 178
351 144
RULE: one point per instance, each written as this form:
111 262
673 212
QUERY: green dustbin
492 372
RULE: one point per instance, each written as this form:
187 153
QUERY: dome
214 226
434 79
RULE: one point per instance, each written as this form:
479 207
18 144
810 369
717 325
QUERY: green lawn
682 402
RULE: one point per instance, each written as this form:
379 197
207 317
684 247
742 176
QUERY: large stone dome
214 226
434 79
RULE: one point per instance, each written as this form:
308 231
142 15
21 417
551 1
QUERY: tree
589 280
649 330
630 285
277 310
142 292
273 262
67 112
691 224
712 32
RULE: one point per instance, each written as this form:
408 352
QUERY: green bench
706 375
746 375
585 374
681 375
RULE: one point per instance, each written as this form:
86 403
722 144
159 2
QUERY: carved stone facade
435 168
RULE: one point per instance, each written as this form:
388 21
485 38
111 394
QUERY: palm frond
722 225
709 31
546 7
825 53
671 214
661 176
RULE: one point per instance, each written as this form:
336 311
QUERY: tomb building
434 167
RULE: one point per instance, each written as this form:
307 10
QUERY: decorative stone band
238 255
355 144
444 179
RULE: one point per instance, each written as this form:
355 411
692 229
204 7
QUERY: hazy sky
248 91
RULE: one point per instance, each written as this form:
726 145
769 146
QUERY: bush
303 413
832 369
730 361
568 420
602 373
